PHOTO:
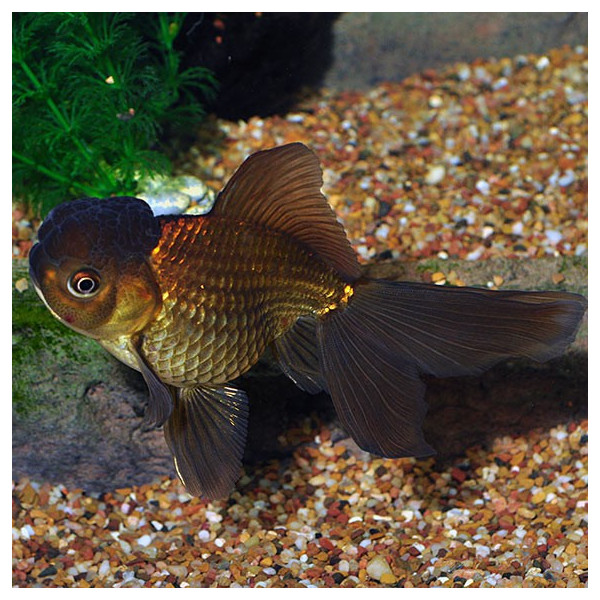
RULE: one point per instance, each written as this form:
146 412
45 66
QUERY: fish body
254 285
192 302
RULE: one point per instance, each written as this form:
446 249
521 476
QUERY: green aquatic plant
92 95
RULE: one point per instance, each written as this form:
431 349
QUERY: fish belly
228 290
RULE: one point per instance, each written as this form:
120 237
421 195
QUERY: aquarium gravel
513 516
473 161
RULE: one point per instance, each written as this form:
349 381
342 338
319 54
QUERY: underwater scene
299 300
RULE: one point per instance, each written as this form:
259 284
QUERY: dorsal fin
281 189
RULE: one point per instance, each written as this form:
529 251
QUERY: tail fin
372 353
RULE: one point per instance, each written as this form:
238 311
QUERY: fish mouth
34 265
34 260
37 258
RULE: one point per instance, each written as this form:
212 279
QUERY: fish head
91 266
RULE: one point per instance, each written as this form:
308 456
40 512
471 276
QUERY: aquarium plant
93 94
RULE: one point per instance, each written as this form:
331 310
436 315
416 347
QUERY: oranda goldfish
193 301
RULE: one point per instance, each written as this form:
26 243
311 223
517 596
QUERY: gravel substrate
513 516
474 161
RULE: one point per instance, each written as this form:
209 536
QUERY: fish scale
229 289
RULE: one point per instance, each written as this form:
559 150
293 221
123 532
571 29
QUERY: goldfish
193 301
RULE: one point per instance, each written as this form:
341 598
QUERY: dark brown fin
378 395
160 401
449 331
373 352
206 434
281 189
298 355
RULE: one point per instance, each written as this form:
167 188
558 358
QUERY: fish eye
84 283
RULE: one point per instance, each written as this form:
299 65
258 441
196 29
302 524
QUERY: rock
378 567
195 188
371 47
435 174
176 195
166 201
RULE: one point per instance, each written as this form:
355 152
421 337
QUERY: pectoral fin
206 433
160 403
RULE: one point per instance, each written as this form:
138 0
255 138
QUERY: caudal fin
372 354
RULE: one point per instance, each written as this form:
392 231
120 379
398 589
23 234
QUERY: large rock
78 413
373 47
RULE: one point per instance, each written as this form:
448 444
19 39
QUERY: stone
166 201
378 567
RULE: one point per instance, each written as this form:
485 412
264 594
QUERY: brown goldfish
193 301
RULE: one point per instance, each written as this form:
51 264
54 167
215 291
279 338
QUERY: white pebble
482 74
204 535
520 532
475 254
435 174
363 251
487 231
493 579
104 568
300 542
213 517
435 101
382 231
553 236
567 179
27 531
377 567
464 72
370 203
483 187
542 63
145 540
517 228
